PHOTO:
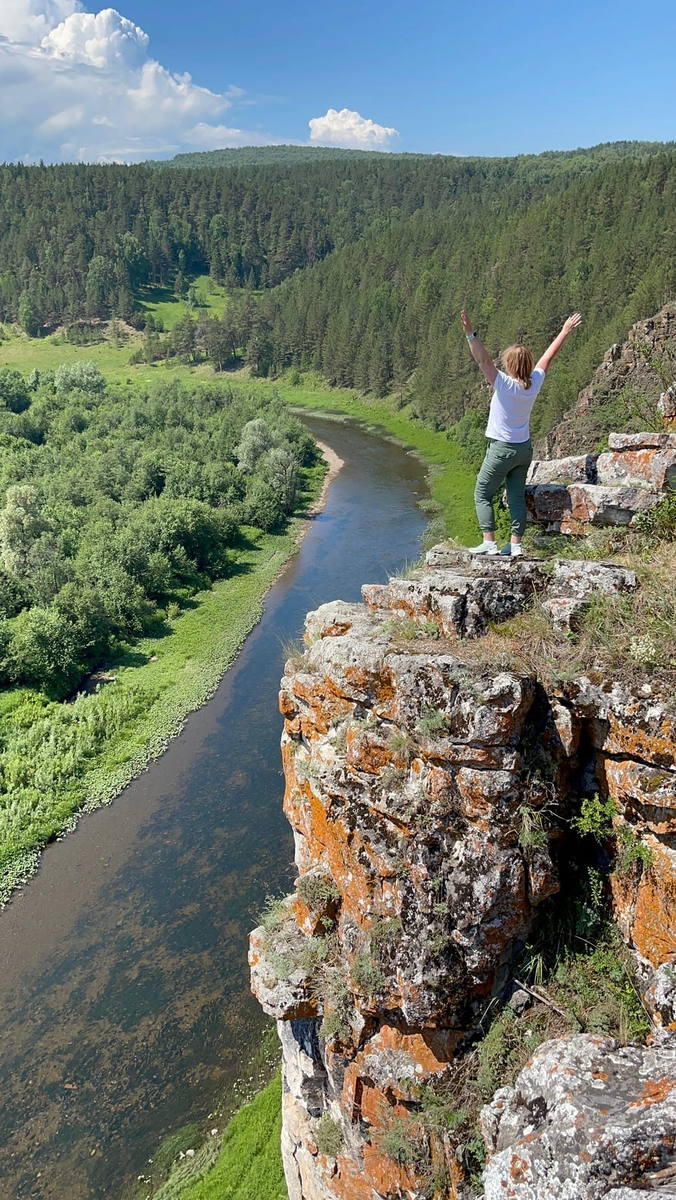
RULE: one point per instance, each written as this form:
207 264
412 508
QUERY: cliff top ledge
480 748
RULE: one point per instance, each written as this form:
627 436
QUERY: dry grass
631 636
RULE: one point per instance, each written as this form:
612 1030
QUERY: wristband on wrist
470 336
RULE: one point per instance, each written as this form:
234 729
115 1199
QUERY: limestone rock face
574 508
470 593
569 495
586 1119
403 783
408 778
462 600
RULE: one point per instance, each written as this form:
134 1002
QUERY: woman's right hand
572 323
466 323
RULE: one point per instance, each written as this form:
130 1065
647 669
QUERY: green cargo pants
505 463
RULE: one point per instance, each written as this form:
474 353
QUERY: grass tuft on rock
328 1136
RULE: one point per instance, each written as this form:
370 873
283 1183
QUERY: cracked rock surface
587 1119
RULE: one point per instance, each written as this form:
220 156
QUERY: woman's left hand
466 323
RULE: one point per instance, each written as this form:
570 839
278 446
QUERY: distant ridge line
289 155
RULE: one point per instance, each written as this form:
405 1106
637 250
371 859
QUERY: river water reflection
124 1002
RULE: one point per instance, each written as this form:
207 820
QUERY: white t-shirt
511 406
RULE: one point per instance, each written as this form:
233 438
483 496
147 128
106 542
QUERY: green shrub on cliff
328 1136
401 1140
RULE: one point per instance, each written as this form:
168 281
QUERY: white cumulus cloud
104 39
31 20
349 129
82 85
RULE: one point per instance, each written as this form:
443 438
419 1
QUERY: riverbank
334 465
451 478
249 1162
85 752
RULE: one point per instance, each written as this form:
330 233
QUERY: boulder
283 989
568 495
573 508
642 441
644 903
573 584
646 794
640 467
585 1118
581 468
582 577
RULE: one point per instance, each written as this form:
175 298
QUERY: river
125 1008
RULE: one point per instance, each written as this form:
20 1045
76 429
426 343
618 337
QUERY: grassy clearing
61 759
46 354
111 353
163 303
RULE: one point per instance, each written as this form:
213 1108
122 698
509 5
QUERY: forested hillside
363 260
383 313
254 156
79 241
250 156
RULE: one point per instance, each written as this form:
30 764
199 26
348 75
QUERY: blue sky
495 78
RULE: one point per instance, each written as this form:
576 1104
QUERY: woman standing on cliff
510 450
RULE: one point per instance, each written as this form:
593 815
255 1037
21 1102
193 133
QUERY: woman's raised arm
551 351
479 352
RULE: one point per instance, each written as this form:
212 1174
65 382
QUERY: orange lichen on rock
654 1092
430 803
645 906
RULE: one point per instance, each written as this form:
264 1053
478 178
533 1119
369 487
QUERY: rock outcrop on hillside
644 363
572 495
410 775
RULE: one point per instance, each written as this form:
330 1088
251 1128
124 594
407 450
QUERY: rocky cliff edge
436 801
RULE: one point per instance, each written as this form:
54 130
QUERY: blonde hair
518 362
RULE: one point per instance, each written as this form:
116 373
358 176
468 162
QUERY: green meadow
163 304
111 354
